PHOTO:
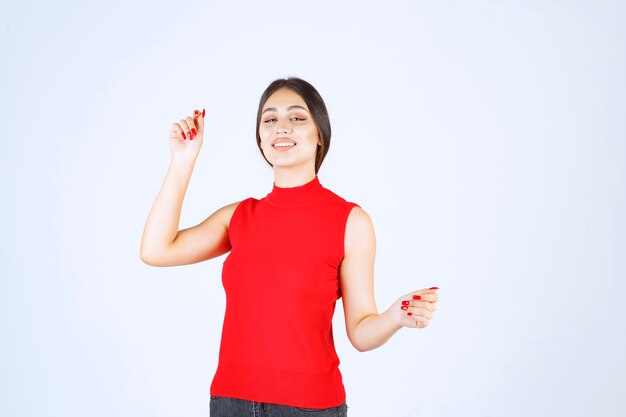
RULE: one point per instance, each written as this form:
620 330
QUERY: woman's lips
282 148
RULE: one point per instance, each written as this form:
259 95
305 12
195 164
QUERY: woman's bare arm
366 328
357 285
162 244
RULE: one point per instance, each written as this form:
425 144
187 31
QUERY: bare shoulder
358 218
359 228
226 213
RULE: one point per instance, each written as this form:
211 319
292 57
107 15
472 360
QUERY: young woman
293 254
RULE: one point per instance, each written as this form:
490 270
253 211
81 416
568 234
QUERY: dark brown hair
316 106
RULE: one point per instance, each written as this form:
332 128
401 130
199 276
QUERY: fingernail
417 297
202 112
404 307
405 303
195 112
184 137
433 288
193 132
409 314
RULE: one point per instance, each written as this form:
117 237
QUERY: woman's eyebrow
288 108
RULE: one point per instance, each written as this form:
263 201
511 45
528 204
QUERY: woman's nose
282 126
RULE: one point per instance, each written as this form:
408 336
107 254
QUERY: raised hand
186 136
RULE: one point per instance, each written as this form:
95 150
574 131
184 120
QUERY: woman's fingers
176 131
189 127
423 304
186 126
431 290
183 128
199 119
419 317
431 297
418 307
413 318
426 305
420 322
193 130
420 312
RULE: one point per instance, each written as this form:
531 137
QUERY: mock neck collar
296 195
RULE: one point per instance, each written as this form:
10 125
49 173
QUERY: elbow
358 346
150 254
143 253
145 259
363 349
155 254
148 258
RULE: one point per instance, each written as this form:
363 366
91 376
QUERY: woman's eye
300 119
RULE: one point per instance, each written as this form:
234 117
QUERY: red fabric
282 282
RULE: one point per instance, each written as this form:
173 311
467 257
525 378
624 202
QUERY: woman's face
285 119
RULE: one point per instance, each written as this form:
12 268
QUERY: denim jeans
234 407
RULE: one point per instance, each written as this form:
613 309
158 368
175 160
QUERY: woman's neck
286 178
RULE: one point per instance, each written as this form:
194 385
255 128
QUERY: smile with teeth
283 145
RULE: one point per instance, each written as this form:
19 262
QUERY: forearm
162 225
374 331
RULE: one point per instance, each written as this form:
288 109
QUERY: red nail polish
405 303
195 112
410 314
433 288
417 297
202 112
193 132
184 137
404 307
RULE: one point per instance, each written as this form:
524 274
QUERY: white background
486 139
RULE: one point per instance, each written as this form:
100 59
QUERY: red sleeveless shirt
281 280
